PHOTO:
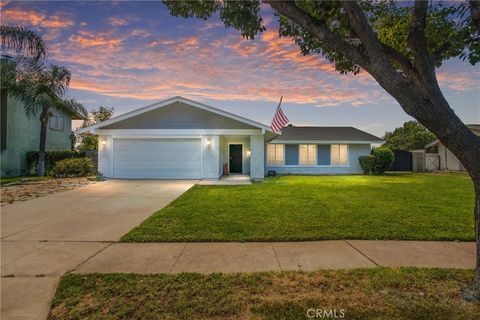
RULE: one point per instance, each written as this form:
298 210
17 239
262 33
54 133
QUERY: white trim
431 144
183 132
324 142
243 156
158 105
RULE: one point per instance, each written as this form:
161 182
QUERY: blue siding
323 154
291 154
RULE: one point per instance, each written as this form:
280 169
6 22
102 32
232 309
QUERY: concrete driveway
43 238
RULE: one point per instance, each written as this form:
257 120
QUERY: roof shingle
325 134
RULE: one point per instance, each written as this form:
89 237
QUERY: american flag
279 120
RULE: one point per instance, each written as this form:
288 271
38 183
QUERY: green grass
20 178
380 293
408 206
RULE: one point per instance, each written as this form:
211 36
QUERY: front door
235 163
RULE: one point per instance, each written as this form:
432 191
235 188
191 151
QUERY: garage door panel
157 158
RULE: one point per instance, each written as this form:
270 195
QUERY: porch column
257 158
210 157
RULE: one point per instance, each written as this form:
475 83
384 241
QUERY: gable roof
474 127
347 134
164 103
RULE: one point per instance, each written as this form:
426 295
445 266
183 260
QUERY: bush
73 167
383 159
51 158
378 162
367 163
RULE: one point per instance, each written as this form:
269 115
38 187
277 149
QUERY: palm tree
23 42
40 89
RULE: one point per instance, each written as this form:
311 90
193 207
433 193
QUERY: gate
403 161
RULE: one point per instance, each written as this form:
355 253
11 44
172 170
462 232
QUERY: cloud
117 21
19 16
85 39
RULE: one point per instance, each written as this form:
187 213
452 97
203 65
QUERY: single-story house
444 159
20 134
183 139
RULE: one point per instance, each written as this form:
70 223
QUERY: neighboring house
183 139
444 159
21 134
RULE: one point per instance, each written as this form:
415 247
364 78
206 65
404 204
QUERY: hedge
73 167
51 157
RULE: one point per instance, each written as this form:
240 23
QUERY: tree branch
475 13
417 43
319 30
395 56
364 31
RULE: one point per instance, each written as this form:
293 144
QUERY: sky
129 54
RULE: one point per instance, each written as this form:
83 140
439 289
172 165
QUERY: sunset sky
131 54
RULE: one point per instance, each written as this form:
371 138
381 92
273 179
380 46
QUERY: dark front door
235 163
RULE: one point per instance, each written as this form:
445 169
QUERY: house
444 159
21 134
183 139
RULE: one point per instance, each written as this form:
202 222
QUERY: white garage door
157 158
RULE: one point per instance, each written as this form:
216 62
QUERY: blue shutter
291 154
323 154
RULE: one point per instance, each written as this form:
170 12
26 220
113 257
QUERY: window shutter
323 154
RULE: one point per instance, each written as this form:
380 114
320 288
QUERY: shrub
367 163
73 167
51 157
378 162
383 159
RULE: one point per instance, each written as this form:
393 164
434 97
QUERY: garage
157 158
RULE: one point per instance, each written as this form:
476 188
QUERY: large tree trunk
43 142
433 111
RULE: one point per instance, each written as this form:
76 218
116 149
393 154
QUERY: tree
41 89
400 46
99 115
23 42
411 136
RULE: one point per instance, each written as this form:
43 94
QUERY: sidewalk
31 269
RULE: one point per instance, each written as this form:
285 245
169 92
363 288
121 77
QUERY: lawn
380 293
20 179
408 206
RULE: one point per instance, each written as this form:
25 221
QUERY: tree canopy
411 136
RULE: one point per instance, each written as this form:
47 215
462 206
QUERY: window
339 155
275 154
308 154
57 122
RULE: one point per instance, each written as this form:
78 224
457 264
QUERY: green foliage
96 115
367 163
411 136
449 31
241 15
384 158
378 162
73 167
51 157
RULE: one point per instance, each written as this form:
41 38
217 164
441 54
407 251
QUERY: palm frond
72 106
23 41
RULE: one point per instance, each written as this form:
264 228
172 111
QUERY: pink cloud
17 16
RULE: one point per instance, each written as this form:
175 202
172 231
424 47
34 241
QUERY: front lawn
408 206
380 293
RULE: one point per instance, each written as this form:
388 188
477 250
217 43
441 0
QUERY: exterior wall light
209 142
249 153
104 142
